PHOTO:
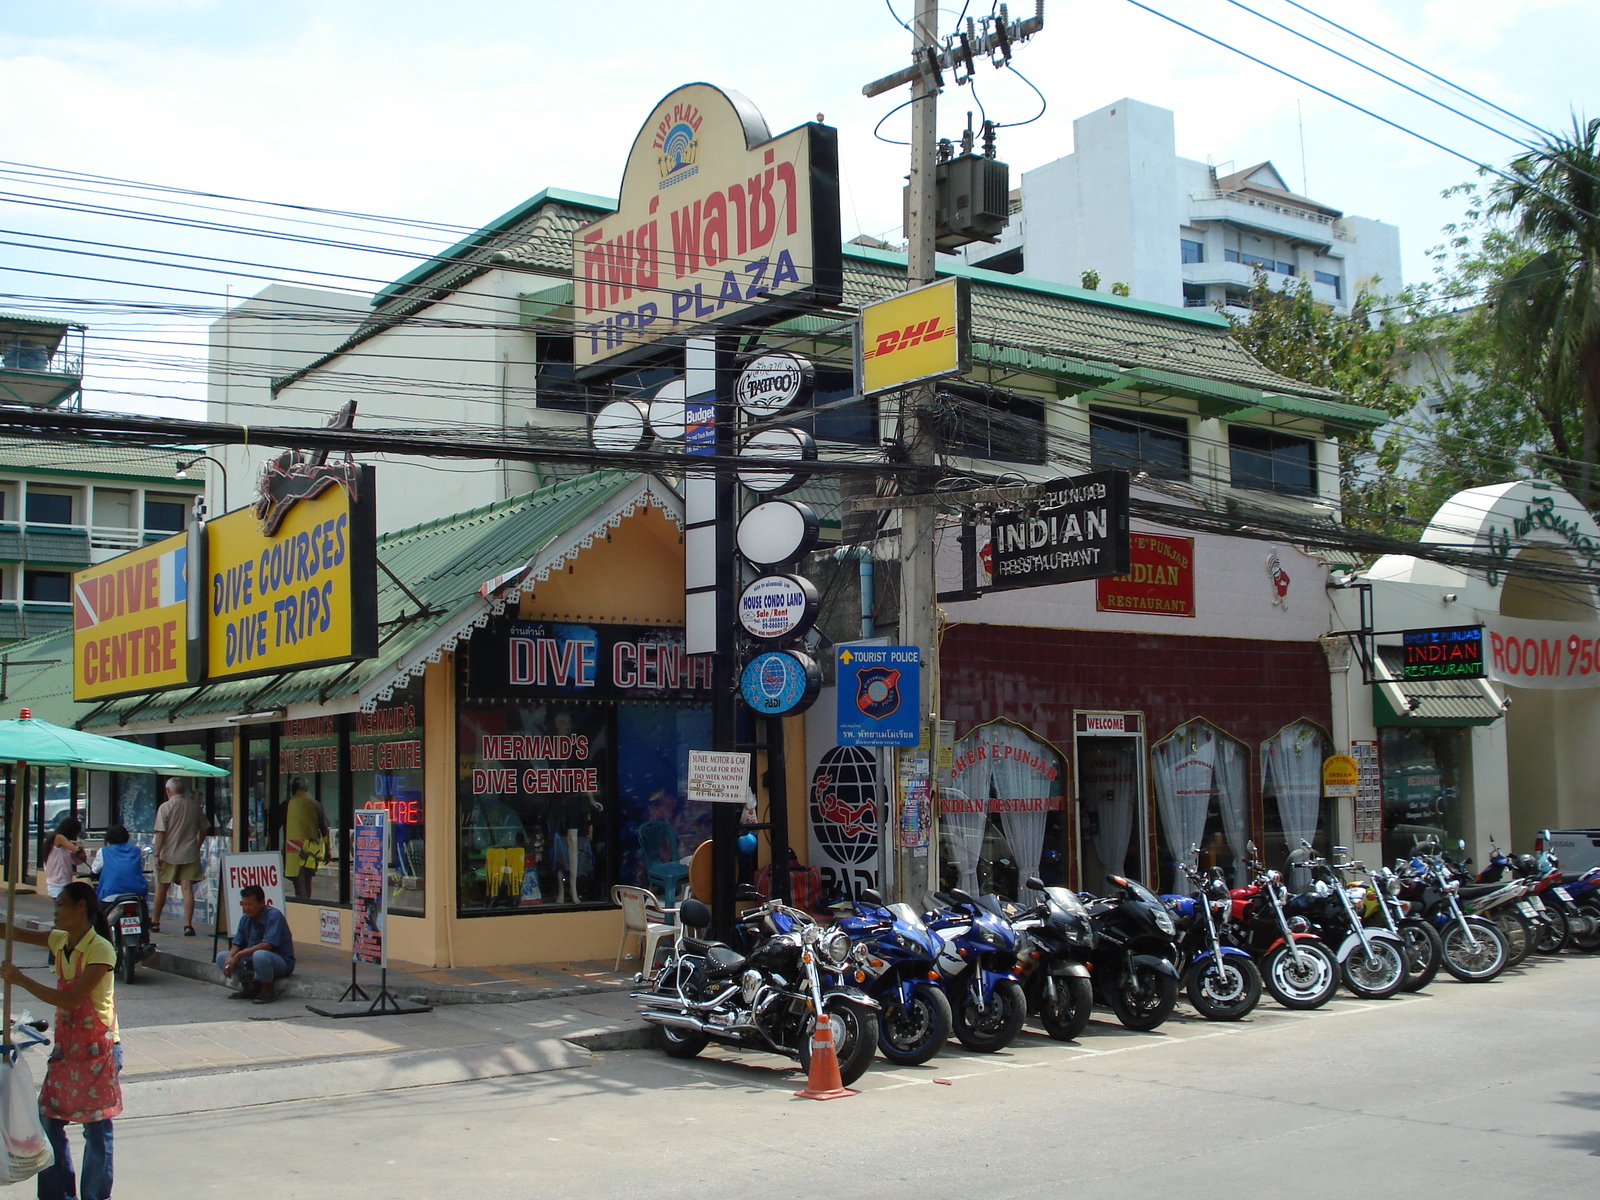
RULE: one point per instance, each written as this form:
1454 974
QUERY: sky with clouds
452 114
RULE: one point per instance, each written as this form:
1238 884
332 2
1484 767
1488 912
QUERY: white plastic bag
27 1149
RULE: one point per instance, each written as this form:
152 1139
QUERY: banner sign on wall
129 631
294 582
1159 579
718 222
1078 530
1455 653
511 659
1542 654
369 886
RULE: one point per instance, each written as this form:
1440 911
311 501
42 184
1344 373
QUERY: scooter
129 918
914 1021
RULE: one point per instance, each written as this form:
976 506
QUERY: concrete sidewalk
322 973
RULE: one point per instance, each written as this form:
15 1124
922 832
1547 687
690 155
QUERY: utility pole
919 614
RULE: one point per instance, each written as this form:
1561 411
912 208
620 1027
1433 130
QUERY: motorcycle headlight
1452 885
1164 922
834 948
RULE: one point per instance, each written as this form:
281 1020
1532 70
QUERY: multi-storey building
1124 205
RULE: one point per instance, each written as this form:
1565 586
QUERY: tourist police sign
879 688
1077 530
1454 653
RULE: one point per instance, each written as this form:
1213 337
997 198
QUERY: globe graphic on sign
844 804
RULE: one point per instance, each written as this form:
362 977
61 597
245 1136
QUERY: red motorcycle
1296 965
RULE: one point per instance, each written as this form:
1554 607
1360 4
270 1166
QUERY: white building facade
1126 207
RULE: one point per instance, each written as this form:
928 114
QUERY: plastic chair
639 905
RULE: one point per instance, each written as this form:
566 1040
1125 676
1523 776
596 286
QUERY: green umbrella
26 741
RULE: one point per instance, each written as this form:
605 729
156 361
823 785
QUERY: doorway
1112 823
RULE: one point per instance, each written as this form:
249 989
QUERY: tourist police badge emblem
878 691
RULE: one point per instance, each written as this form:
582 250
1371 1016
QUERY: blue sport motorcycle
899 955
975 968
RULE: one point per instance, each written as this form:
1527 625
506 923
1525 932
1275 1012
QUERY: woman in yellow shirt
80 1082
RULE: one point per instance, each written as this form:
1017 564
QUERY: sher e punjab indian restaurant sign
717 222
1078 530
1454 653
1159 579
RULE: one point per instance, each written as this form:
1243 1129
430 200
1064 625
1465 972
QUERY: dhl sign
129 622
914 336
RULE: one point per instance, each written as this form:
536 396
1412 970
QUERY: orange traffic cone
822 1080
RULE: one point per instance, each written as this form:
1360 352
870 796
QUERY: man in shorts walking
181 824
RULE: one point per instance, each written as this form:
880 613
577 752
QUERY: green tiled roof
86 459
1429 702
444 563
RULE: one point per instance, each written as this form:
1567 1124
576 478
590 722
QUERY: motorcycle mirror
747 893
1250 848
1461 843
872 896
1035 883
961 897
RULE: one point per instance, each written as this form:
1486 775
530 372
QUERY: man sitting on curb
262 948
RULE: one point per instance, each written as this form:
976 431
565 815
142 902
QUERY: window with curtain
1004 822
1291 790
1203 800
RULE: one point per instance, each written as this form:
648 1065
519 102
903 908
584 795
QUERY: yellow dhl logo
911 335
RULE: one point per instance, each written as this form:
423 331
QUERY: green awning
1429 703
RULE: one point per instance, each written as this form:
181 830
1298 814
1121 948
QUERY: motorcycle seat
1469 890
720 959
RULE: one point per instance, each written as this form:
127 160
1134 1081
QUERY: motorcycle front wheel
1423 955
910 1034
1586 929
1224 989
1376 975
1477 959
855 1040
996 1025
1306 984
1065 1003
1144 998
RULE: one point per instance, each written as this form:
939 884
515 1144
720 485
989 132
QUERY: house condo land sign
718 222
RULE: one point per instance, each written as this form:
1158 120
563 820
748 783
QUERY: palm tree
1548 309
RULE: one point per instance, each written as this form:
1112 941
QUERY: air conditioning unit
972 200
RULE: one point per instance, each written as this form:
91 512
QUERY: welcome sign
718 222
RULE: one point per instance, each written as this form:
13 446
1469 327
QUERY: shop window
1291 795
312 820
1421 771
1202 786
47 587
657 827
49 508
1139 441
261 786
386 772
1271 461
1001 821
536 805
985 423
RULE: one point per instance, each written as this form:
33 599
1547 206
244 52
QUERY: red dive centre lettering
151 650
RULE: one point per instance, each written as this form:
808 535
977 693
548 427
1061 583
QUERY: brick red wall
1037 677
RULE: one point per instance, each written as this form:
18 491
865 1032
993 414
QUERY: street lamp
183 473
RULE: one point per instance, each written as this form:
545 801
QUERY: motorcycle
974 967
899 952
1223 981
1052 961
1554 917
129 919
1296 966
1474 949
1372 961
1424 952
1133 971
1505 905
767 998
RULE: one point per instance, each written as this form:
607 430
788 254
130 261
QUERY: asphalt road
1462 1091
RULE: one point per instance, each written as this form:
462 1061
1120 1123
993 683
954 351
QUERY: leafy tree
1355 354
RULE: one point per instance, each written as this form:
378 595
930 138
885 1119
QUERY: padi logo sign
677 144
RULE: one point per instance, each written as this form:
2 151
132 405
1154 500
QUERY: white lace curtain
1233 799
1184 763
1291 768
1018 777
1110 773
963 831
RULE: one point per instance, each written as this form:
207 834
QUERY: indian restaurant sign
1454 653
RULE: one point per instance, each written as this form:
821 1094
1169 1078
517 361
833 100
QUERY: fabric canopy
39 743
